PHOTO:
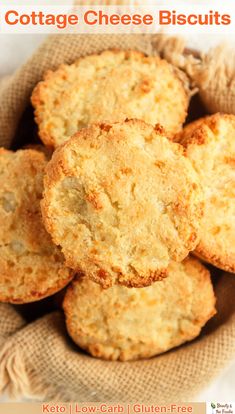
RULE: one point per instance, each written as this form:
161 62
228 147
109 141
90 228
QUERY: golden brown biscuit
122 201
125 324
31 266
109 87
210 145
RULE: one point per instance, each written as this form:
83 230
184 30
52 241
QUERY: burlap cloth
38 359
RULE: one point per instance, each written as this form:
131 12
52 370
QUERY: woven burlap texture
38 360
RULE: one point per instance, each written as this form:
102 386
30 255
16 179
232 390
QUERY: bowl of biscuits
119 210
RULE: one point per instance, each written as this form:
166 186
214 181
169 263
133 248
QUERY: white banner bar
180 18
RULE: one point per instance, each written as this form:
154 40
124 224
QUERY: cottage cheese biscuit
125 324
109 87
122 200
31 266
210 145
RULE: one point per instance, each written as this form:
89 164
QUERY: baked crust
31 266
210 145
122 201
109 87
128 324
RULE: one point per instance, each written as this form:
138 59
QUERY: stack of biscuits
121 205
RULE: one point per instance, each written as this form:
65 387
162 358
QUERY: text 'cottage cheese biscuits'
125 324
109 87
122 200
31 266
210 145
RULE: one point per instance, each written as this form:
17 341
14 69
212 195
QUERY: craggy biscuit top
109 87
122 201
31 266
210 145
125 324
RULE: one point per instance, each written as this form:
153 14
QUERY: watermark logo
221 408
213 406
